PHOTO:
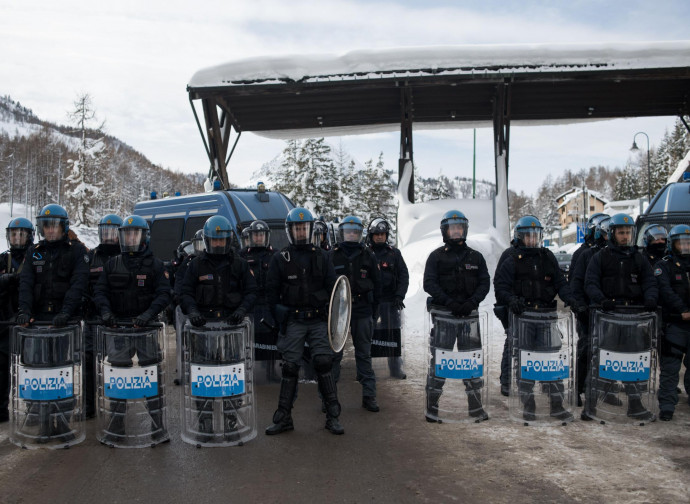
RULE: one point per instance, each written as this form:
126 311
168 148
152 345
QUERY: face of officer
109 235
681 246
300 231
379 238
18 237
531 240
257 239
132 237
456 231
52 231
623 236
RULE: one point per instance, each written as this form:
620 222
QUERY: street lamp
635 148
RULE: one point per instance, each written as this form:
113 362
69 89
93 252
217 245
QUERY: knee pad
290 370
322 363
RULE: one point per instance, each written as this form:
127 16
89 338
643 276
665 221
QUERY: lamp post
649 176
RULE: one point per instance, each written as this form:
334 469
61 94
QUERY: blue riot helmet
378 226
49 218
198 242
134 234
299 225
320 236
259 234
528 232
218 235
651 237
454 226
20 234
591 227
622 230
350 230
679 240
108 229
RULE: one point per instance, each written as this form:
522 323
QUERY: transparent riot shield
180 319
456 388
621 383
387 345
340 311
46 401
130 382
542 352
219 406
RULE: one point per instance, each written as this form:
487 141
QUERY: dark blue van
670 206
175 219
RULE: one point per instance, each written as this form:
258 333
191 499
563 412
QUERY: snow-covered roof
575 193
445 60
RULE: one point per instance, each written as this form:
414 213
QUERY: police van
175 219
669 207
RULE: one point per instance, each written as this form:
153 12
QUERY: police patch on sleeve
657 271
86 258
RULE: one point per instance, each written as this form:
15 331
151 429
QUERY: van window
194 224
675 198
166 235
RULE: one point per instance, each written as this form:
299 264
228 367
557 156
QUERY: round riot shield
541 346
621 383
46 401
458 355
387 346
130 380
219 406
339 313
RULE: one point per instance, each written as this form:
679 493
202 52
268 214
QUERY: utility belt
216 314
49 307
627 302
310 314
542 305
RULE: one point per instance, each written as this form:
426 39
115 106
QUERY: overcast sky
135 59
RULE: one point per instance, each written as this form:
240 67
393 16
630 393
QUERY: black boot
636 409
282 419
474 399
329 395
556 403
433 395
528 408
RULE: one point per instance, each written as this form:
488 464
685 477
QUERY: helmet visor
132 239
108 234
350 232
18 238
681 245
258 238
622 236
299 233
530 237
50 228
215 245
454 229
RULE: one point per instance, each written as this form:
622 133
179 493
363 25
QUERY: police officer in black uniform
350 257
395 280
590 240
320 237
20 235
52 285
258 255
655 240
298 288
618 276
529 278
109 246
133 287
673 276
456 278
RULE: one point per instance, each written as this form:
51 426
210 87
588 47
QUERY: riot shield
46 402
541 346
456 388
340 309
130 380
219 407
387 346
621 383
180 319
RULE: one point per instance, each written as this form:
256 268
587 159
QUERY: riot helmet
299 225
454 226
528 232
259 234
655 239
108 229
20 234
601 232
350 230
320 236
198 242
622 230
679 241
52 223
217 235
134 234
377 227
244 237
184 250
591 226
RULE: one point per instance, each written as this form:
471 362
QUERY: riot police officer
258 255
395 280
109 246
299 283
20 235
590 230
350 257
529 278
456 277
320 235
52 284
673 276
655 240
618 276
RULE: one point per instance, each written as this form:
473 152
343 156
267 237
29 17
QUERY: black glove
516 305
238 316
608 305
108 318
578 307
467 307
398 303
197 319
23 319
60 320
6 279
455 308
650 305
143 319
